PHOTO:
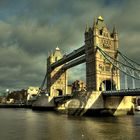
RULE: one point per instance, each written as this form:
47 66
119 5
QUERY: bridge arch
59 92
107 85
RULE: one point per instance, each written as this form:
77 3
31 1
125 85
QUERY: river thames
25 124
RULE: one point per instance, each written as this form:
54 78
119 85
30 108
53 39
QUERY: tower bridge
101 55
98 71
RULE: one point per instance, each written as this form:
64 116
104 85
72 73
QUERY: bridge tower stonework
101 75
56 78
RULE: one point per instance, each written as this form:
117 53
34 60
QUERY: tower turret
86 29
115 36
95 29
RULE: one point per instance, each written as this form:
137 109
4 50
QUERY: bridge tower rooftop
100 18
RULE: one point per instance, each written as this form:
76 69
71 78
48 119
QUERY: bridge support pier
119 105
44 102
95 104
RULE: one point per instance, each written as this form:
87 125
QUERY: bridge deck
124 92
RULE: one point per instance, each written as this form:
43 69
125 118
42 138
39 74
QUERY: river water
25 124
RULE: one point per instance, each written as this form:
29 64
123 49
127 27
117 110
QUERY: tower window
107 68
100 32
106 34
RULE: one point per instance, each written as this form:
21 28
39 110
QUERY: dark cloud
29 29
19 69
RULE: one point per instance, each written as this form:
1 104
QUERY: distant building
32 92
19 96
3 100
78 85
3 96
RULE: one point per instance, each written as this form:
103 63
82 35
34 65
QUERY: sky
30 29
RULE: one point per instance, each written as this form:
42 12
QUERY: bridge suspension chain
129 70
129 61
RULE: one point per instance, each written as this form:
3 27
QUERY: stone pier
94 104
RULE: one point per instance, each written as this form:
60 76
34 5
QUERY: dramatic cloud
30 29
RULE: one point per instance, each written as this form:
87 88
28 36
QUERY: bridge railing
122 92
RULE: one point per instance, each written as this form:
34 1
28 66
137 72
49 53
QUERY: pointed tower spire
87 28
114 30
115 36
94 22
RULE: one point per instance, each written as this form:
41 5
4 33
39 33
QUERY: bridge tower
101 75
56 78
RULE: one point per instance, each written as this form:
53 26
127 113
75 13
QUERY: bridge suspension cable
129 61
43 82
129 70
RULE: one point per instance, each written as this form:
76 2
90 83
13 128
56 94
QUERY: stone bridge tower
100 74
56 78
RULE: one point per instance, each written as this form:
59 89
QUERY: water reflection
26 124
